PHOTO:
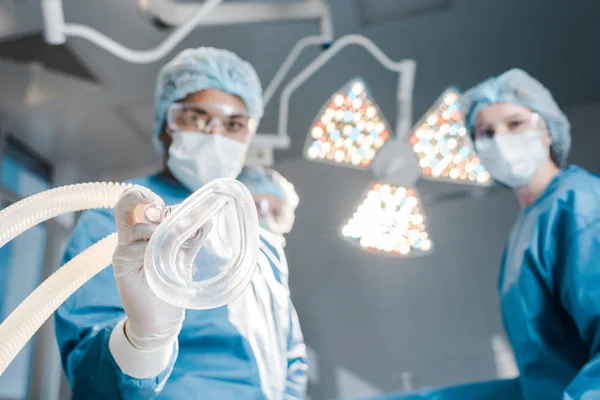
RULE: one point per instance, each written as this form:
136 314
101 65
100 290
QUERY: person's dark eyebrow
235 116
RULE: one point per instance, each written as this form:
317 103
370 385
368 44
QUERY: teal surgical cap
517 87
194 70
259 180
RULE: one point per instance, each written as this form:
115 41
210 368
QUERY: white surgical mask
512 159
198 158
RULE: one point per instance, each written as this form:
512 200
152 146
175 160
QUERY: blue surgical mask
198 158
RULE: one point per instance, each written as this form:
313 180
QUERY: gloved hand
151 323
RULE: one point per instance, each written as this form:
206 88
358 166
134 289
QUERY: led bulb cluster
390 220
349 130
443 148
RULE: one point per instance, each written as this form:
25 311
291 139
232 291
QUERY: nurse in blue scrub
550 272
117 339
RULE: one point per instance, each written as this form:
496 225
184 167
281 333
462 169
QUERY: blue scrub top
550 290
250 349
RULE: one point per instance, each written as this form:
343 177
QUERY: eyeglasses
518 123
209 118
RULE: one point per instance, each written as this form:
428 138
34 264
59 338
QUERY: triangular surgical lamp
390 219
349 130
444 150
404 68
437 148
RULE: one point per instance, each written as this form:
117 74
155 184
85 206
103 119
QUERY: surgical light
391 220
349 129
443 148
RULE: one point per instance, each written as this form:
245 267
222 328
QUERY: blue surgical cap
517 87
259 180
194 70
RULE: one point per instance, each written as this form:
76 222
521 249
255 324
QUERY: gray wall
378 316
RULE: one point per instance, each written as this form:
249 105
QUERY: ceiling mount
186 17
174 13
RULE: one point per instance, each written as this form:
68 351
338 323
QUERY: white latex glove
151 323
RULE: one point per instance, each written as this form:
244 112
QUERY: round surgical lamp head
395 164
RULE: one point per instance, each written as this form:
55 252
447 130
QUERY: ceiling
104 123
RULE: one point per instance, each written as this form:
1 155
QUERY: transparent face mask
204 253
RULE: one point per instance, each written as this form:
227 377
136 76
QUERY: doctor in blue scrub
117 339
550 272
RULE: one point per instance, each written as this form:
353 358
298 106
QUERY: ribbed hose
43 206
29 316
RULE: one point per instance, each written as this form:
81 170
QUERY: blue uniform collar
164 182
553 185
